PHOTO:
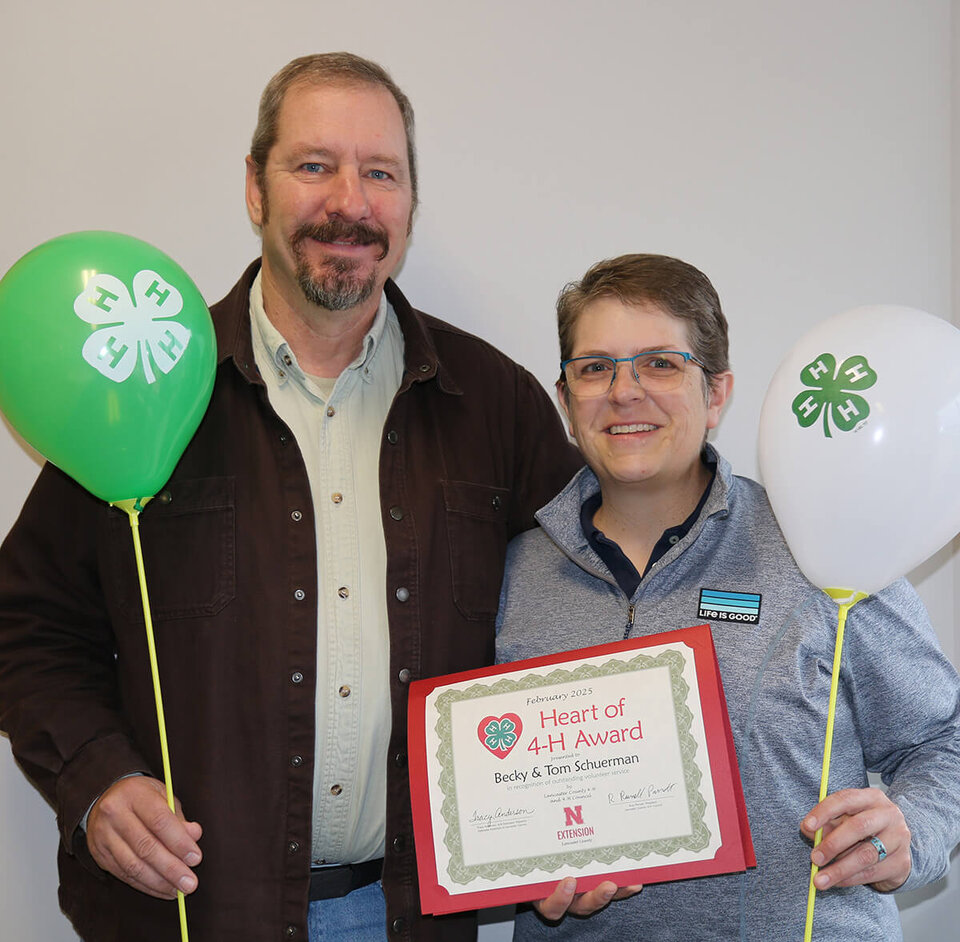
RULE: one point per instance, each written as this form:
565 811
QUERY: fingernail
187 884
569 884
192 859
608 894
821 881
810 824
818 858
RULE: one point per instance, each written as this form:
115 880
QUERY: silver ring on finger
881 850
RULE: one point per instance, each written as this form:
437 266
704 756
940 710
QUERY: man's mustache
336 230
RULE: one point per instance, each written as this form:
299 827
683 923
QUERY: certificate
613 762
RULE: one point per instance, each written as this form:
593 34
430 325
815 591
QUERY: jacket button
425 368
400 760
344 691
336 497
343 592
496 501
396 513
293 847
404 676
291 932
299 594
296 761
403 593
399 843
398 925
331 412
393 437
336 789
297 677
296 516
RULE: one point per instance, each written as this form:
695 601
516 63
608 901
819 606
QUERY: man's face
335 203
630 436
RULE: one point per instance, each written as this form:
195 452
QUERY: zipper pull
631 611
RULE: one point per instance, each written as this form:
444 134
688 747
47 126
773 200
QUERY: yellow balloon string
845 599
133 508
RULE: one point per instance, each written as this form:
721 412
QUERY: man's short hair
327 68
672 285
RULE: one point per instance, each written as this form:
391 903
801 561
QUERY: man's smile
345 236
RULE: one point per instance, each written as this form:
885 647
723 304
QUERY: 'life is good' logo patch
718 605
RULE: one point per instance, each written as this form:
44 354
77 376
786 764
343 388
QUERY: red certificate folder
524 773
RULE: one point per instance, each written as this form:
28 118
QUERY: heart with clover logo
499 734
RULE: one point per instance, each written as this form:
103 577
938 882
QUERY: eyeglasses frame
687 358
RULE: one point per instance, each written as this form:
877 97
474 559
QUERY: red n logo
574 815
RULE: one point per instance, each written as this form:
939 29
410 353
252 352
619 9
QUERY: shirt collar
277 352
610 552
560 519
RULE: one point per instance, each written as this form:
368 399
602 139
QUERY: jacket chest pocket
477 535
188 538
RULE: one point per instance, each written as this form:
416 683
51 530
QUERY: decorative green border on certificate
697 840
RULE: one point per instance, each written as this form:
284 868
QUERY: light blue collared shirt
338 425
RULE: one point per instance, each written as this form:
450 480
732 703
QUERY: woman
625 550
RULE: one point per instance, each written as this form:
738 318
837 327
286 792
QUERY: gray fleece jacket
898 709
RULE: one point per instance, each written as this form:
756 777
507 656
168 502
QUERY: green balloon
107 360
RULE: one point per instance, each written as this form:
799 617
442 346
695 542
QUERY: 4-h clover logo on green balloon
77 316
145 332
836 395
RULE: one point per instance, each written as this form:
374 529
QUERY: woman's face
632 436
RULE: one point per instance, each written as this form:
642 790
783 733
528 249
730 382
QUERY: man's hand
849 819
565 899
133 834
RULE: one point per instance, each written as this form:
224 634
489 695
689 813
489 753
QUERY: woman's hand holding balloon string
855 821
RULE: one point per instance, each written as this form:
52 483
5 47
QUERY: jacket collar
231 320
560 519
420 358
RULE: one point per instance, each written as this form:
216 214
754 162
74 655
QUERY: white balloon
860 445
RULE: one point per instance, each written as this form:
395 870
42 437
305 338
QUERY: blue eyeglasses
655 370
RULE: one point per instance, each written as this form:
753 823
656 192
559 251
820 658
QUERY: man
335 529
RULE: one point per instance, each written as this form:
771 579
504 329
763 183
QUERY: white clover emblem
140 326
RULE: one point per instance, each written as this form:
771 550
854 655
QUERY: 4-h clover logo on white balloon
870 492
143 330
836 392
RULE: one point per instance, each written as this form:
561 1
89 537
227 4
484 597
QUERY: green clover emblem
500 734
835 392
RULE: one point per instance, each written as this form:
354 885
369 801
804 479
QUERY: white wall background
801 154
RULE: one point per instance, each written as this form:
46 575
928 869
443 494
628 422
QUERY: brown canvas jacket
472 446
